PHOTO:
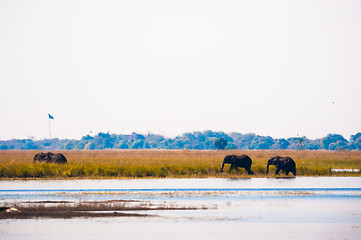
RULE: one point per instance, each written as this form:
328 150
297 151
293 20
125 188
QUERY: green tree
330 141
339 145
123 144
4 147
300 142
281 144
137 144
261 142
358 143
220 143
355 137
69 145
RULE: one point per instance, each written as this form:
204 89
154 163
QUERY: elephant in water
242 161
282 163
50 157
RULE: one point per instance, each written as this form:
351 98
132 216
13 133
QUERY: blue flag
51 117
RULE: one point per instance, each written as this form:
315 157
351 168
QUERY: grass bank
169 163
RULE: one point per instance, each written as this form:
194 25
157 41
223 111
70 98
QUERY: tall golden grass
169 163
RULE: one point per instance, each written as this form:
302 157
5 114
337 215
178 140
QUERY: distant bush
206 140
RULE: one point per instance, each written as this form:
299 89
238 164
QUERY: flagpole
49 128
50 117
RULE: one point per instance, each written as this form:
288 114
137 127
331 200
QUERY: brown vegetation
66 209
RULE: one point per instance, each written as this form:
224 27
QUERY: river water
254 208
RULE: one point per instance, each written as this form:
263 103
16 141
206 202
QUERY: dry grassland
169 163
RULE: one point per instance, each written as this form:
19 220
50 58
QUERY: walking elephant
242 161
282 163
50 157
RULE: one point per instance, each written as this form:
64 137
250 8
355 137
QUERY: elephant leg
249 171
287 172
277 172
231 168
222 167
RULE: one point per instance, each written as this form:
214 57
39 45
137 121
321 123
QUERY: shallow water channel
255 208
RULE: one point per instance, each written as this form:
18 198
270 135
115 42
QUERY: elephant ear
273 160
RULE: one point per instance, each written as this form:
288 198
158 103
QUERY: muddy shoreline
85 209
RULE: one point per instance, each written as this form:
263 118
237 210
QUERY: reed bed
169 164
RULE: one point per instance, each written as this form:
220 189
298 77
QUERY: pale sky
277 68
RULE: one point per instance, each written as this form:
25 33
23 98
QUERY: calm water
294 208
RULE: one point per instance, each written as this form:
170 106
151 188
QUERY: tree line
205 140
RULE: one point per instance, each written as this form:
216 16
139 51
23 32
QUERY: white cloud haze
168 67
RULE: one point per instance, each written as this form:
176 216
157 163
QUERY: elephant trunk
267 169
222 167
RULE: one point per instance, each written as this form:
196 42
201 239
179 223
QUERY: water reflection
256 208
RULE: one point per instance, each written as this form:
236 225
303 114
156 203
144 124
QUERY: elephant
282 163
242 161
50 157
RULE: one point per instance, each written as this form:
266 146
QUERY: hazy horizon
93 134
274 68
